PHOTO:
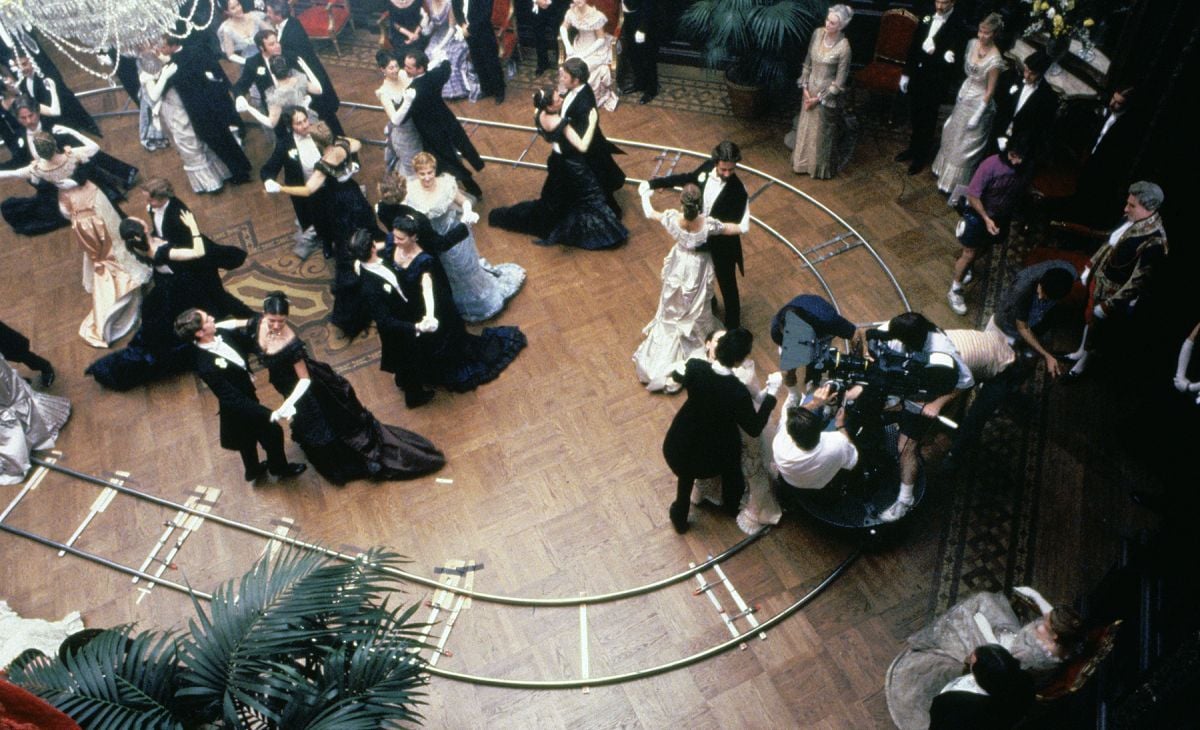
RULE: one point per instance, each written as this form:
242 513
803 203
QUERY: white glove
283 413
241 104
271 186
639 37
469 216
144 77
410 93
1181 365
904 84
949 56
1087 272
458 33
774 381
209 75
307 101
427 324
976 118
1042 604
1098 312
1182 384
1002 143
167 71
644 188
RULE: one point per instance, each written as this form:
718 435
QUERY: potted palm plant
757 43
300 642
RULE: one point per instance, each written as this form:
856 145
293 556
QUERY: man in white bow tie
934 59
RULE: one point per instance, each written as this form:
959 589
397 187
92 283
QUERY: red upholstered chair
505 26
323 20
1075 673
882 74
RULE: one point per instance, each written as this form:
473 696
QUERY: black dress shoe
417 398
679 519
293 469
239 180
256 471
903 156
48 376
916 166
646 98
500 98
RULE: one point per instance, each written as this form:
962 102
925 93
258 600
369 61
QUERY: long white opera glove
1042 604
647 207
271 186
241 105
774 381
288 409
1182 384
1083 278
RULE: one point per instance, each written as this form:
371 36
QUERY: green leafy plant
756 42
305 642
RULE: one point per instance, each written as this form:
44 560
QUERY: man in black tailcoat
39 78
639 36
440 131
705 439
544 19
475 17
579 109
1025 108
222 362
204 90
725 199
934 60
296 44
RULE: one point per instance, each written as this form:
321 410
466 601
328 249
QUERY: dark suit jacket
242 417
208 104
704 438
929 73
1035 119
600 154
295 44
956 710
393 316
173 231
285 157
73 112
439 128
729 207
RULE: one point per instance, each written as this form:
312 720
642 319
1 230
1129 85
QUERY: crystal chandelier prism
87 30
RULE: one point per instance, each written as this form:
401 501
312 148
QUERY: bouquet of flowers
1059 20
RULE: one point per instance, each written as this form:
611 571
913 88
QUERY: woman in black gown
340 437
572 209
339 208
183 278
427 332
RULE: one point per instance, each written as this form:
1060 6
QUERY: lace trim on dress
592 19
435 203
686 239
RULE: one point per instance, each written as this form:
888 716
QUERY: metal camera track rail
46 466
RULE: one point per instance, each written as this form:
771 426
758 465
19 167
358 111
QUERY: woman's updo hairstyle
543 98
691 200
46 145
279 66
133 233
393 188
276 302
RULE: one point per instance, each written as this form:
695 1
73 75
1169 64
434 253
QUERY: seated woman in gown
480 289
935 655
339 436
339 208
294 86
403 142
423 338
29 421
684 318
236 33
110 274
593 45
572 209
184 278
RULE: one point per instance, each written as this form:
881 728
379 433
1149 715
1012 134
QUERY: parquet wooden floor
558 485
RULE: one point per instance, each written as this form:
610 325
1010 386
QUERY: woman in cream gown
29 421
110 274
822 82
592 45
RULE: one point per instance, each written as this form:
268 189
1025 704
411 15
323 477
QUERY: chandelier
86 31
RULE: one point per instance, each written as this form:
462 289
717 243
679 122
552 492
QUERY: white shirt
713 187
158 214
383 272
1115 236
219 348
965 683
813 469
308 152
934 26
1026 92
1108 122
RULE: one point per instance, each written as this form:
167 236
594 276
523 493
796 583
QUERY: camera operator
826 324
805 454
911 332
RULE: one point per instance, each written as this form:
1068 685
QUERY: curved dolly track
575 601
